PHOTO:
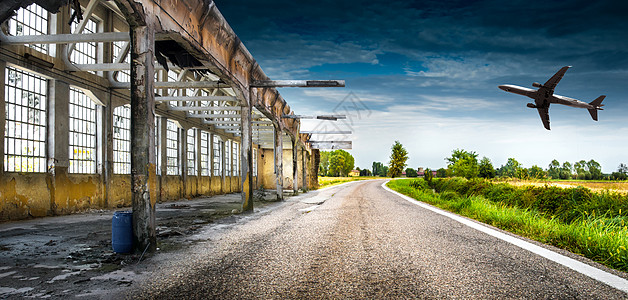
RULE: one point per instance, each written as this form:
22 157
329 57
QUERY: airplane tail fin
597 104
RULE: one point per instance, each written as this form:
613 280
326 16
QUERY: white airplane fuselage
545 97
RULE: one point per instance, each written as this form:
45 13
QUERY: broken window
82 130
254 162
25 125
32 20
122 140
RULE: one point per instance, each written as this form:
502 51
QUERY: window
191 151
25 127
82 133
205 153
234 158
123 75
254 162
172 77
172 148
84 53
32 20
227 158
157 140
217 156
122 140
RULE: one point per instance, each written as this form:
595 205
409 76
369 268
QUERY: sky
426 73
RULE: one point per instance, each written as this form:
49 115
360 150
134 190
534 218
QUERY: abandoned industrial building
127 103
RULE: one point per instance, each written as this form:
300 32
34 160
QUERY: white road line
595 273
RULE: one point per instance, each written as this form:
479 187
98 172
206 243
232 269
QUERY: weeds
591 224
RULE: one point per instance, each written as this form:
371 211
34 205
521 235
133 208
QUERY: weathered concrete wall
22 196
120 191
25 195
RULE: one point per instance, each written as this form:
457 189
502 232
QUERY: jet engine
531 105
536 84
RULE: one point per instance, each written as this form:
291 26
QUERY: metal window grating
191 151
234 158
25 125
217 156
157 150
205 153
82 132
32 20
85 53
122 140
122 75
172 148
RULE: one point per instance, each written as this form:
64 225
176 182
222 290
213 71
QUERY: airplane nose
503 87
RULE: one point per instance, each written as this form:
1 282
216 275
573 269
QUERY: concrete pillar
295 166
143 174
278 150
197 159
246 159
223 172
304 169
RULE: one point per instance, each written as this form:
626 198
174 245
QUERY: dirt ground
63 256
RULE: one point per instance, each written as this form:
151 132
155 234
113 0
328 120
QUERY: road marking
592 272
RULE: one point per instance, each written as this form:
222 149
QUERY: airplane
544 96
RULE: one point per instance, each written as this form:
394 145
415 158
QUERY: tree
486 168
365 172
595 169
398 159
378 169
553 170
384 171
323 166
410 172
441 173
536 172
581 170
336 164
565 171
622 169
463 163
512 169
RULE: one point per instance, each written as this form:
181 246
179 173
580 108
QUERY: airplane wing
552 82
544 114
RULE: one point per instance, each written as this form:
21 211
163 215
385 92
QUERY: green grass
600 237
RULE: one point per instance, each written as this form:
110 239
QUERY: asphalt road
361 242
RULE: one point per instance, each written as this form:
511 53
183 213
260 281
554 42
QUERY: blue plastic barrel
122 232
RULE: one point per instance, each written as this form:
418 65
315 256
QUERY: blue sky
426 73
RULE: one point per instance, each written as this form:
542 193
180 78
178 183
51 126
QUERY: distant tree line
464 163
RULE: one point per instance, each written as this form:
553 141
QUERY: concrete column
295 167
246 159
107 147
143 175
223 172
278 150
304 169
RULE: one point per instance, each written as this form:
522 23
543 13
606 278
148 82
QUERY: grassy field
596 186
601 235
329 181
